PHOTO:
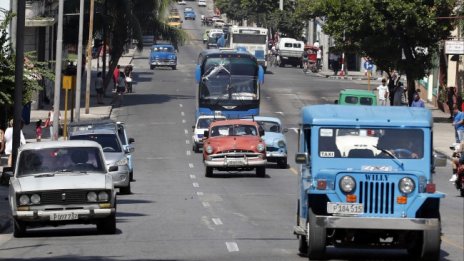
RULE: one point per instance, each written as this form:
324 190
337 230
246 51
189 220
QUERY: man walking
383 93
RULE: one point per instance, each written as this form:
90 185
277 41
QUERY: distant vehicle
202 3
162 55
61 182
205 36
202 124
181 2
175 21
174 11
189 15
213 36
253 39
289 52
188 9
218 23
234 145
357 97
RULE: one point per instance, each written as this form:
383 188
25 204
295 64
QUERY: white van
289 52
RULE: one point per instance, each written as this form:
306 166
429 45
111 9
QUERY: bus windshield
249 38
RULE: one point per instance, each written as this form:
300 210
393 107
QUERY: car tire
174 67
208 172
131 176
19 228
282 163
107 225
261 171
316 238
152 67
196 149
126 190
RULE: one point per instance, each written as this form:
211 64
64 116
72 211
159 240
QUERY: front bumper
121 176
44 215
163 63
235 161
275 155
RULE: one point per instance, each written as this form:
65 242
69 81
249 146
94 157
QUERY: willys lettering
376 177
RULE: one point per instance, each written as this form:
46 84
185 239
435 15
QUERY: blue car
189 15
163 55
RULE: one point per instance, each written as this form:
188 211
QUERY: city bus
253 39
229 82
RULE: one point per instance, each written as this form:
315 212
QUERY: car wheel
125 190
196 149
261 171
19 228
131 176
174 67
107 225
152 67
282 163
208 171
316 238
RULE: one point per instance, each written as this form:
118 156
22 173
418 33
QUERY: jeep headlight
92 197
24 200
260 147
406 185
103 196
347 184
35 199
281 144
122 162
209 149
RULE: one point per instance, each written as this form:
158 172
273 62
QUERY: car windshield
371 143
270 126
109 142
60 160
234 130
165 49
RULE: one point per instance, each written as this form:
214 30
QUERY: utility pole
58 61
79 62
89 59
19 84
281 5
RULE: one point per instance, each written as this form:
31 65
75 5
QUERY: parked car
234 145
276 144
163 55
200 127
115 155
357 97
202 3
188 9
181 2
189 15
61 182
218 23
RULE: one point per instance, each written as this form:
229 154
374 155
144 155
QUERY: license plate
235 162
345 208
63 216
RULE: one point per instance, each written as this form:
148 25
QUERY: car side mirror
193 127
439 160
206 134
131 140
285 130
129 149
113 168
261 132
301 158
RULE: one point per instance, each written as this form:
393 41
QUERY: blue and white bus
253 39
229 82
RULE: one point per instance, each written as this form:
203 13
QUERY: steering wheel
109 149
403 153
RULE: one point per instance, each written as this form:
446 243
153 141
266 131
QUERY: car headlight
24 200
260 147
122 162
172 57
103 196
347 184
209 149
35 199
406 185
92 196
281 144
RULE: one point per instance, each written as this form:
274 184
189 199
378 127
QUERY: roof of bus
349 115
221 52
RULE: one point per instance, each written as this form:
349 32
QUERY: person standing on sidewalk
458 123
9 141
99 88
383 93
116 76
417 101
451 101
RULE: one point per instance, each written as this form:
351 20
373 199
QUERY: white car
61 182
202 3
182 2
199 129
218 23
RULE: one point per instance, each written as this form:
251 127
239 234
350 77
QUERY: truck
290 51
365 180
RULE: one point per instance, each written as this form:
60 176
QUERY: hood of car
112 157
272 138
226 143
62 181
163 55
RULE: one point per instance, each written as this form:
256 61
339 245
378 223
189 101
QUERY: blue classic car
189 15
163 55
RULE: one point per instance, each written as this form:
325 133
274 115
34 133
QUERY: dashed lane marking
188 152
195 185
180 105
193 176
232 247
182 113
186 131
205 204
217 221
199 193
183 121
293 171
187 142
191 165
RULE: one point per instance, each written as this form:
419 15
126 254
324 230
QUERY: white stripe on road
195 185
186 131
187 141
232 246
217 221
191 165
188 152
192 176
183 121
180 105
199 193
205 204
182 113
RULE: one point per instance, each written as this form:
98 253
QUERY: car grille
69 197
378 197
237 151
271 149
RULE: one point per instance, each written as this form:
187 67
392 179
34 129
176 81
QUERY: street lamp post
79 62
89 59
58 61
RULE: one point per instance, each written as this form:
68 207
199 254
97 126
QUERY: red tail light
430 188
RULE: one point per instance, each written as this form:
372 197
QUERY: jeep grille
377 197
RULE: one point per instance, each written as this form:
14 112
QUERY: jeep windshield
233 130
60 161
371 143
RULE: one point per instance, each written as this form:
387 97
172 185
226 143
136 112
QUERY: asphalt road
175 213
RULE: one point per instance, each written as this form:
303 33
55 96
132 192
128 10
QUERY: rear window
109 142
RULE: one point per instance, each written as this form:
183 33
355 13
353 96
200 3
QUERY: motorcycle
458 168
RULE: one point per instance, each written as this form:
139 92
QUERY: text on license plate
345 208
63 216
235 162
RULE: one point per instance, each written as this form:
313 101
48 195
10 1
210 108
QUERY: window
109 142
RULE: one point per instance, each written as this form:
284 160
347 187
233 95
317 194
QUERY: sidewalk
96 112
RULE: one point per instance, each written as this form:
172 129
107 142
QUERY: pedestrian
417 101
319 58
458 123
99 88
451 101
116 76
9 141
38 130
335 62
383 92
120 89
129 80
2 142
391 86
398 94
49 121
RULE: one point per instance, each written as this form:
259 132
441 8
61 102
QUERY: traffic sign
67 82
368 65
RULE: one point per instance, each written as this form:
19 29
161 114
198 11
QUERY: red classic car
234 145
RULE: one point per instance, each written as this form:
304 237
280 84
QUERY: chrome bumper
236 163
378 223
41 215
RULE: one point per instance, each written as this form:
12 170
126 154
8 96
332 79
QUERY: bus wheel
316 238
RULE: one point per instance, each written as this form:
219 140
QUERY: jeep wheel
427 246
125 190
208 171
316 238
261 171
19 228
303 246
107 225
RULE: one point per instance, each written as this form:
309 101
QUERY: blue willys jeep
366 180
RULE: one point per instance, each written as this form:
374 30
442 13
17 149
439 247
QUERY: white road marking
191 165
186 131
195 185
199 193
279 112
232 247
182 113
183 121
187 141
205 204
193 176
188 152
180 105
217 221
